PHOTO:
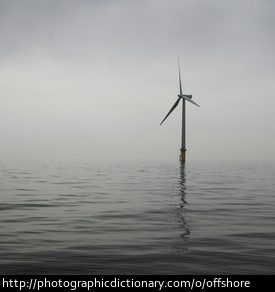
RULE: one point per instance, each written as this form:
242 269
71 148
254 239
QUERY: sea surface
137 217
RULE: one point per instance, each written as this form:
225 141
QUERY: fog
94 79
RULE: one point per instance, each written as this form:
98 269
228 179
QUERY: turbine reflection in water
183 228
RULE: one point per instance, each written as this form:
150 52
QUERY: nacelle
185 95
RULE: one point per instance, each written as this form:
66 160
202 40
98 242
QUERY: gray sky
94 78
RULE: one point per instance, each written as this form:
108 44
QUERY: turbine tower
184 97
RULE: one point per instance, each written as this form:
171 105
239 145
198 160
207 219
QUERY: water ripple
137 218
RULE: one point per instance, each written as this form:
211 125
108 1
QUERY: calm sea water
153 217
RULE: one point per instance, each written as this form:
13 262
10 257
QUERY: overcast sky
93 79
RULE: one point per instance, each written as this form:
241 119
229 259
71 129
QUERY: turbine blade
179 77
189 99
173 107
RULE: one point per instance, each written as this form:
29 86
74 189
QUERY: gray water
146 217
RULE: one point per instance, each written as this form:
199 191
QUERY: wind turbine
184 97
